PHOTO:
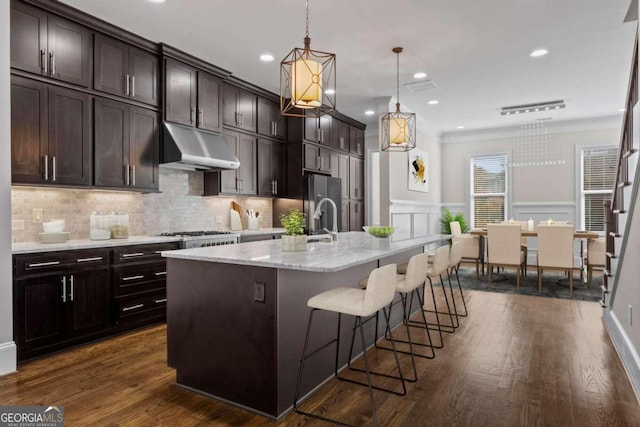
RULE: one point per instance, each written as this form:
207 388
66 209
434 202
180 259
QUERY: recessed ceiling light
330 91
156 1
460 127
266 57
538 53
419 75
622 110
369 112
434 102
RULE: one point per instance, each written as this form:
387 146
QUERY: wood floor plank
515 361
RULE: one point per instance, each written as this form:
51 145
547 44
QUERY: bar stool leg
366 365
466 313
302 359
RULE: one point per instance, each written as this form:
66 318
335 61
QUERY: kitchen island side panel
294 290
219 340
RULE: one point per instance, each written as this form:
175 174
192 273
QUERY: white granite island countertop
351 249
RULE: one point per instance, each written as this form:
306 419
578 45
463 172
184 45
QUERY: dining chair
555 251
504 249
523 240
471 246
595 257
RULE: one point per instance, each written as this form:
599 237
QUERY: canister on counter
119 225
99 225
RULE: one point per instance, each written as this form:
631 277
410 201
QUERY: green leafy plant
448 217
293 222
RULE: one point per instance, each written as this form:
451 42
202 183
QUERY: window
488 190
597 179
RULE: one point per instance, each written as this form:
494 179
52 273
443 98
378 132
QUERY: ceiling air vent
421 86
533 108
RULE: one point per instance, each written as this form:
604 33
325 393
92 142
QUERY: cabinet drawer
135 278
139 309
48 262
136 253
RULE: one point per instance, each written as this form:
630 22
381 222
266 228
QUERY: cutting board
236 207
236 224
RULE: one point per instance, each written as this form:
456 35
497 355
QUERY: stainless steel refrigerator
316 188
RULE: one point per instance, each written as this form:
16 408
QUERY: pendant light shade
398 128
307 80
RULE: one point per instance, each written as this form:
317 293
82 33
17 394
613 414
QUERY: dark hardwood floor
515 361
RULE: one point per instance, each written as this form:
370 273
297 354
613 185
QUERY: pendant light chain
307 19
398 80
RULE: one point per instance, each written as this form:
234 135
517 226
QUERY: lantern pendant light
398 128
307 80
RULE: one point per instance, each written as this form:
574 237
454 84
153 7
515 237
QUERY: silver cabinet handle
128 88
43 264
321 135
160 301
52 63
318 136
126 175
275 125
132 255
342 142
132 307
46 167
71 280
241 119
191 113
64 289
133 86
43 61
273 187
161 273
241 182
126 279
200 116
97 258
276 181
53 168
133 175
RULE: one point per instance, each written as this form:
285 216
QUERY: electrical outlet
36 216
258 292
630 315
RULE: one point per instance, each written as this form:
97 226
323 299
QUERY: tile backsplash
178 206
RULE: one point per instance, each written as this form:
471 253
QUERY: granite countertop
261 231
351 249
33 247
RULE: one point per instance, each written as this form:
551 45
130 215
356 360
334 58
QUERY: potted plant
294 238
448 217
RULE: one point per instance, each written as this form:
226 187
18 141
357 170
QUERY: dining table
581 235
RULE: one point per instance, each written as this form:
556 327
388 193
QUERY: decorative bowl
379 231
55 226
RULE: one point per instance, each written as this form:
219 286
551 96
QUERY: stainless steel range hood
188 148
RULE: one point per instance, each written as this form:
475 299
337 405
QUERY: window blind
488 186
598 177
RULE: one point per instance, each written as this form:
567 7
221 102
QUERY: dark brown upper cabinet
340 169
356 178
50 134
270 121
239 181
317 159
270 168
342 137
356 141
239 108
192 96
124 70
127 146
45 44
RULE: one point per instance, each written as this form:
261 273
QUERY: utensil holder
253 223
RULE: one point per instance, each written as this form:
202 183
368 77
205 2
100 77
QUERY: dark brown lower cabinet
53 311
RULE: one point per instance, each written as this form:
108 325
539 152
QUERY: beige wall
179 206
7 347
529 184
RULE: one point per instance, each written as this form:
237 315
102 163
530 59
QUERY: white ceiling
477 51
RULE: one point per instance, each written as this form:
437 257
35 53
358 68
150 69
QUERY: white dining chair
595 257
471 246
555 251
504 249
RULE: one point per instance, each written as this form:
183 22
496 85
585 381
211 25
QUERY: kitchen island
236 315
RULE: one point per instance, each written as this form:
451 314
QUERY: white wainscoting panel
414 218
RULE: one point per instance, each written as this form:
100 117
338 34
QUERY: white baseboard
8 354
627 352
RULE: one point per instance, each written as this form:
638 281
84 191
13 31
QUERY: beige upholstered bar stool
361 304
409 284
455 257
596 257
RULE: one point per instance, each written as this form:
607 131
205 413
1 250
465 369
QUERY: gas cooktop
196 233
